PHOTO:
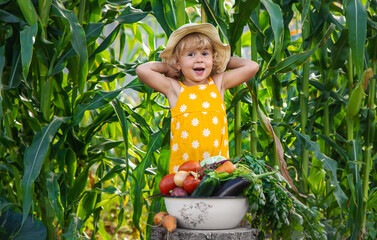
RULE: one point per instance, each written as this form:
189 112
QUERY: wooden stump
241 233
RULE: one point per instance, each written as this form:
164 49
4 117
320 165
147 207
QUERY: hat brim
222 50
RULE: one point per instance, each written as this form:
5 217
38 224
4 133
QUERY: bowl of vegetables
207 212
209 195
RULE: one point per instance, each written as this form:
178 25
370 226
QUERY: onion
179 177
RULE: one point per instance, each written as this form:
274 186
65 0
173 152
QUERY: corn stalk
304 91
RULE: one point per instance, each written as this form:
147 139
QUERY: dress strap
182 85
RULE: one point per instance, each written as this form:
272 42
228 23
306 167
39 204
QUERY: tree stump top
240 233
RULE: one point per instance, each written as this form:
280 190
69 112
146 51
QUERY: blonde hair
199 41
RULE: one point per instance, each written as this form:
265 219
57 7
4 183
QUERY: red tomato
167 184
190 166
190 184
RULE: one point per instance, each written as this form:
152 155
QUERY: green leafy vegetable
272 206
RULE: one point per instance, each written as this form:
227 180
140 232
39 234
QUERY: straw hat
222 50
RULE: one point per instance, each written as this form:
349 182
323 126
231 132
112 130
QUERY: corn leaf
93 31
80 183
328 163
33 160
356 18
8 17
139 180
131 15
87 205
28 11
15 74
158 12
105 44
54 196
216 20
27 38
276 18
100 99
78 40
124 126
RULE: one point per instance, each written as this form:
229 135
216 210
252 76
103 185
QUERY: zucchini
206 186
233 187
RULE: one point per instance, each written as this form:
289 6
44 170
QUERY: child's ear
177 66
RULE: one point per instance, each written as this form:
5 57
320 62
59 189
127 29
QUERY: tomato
167 184
190 166
190 184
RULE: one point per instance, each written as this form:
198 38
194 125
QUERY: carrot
170 223
227 166
158 217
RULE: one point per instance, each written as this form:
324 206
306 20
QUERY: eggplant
233 187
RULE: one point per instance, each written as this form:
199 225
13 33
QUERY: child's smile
196 65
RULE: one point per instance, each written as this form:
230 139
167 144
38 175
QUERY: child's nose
199 58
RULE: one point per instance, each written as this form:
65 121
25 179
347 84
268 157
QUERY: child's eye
205 54
190 54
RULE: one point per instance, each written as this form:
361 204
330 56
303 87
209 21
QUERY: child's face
196 64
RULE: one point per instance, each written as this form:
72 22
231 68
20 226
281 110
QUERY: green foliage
12 227
274 208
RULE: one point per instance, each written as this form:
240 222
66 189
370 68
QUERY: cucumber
206 186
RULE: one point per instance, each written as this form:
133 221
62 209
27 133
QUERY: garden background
84 143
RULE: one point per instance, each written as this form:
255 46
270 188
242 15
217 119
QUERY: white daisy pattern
192 96
205 105
195 122
195 144
175 147
183 108
184 134
206 132
199 125
206 155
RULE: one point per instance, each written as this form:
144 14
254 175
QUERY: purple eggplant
233 187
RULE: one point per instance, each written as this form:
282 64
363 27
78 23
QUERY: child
199 126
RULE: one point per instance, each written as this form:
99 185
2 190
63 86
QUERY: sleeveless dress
199 126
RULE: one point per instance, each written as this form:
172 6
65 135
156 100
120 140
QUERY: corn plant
64 132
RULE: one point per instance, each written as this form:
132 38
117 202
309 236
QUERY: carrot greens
272 207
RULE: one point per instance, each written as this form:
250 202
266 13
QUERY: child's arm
151 74
241 70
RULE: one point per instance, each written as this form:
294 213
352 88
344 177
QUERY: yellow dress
199 126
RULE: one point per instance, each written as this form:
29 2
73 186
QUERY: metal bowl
207 212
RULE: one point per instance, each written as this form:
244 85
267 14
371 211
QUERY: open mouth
199 70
